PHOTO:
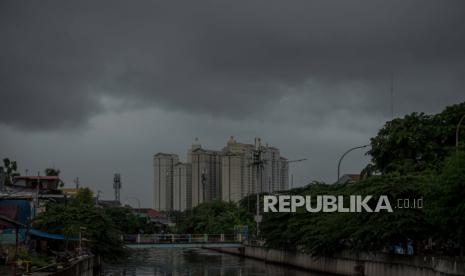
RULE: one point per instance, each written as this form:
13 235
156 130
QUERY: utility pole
76 182
98 196
117 186
258 164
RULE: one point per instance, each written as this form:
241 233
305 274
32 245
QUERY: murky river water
176 261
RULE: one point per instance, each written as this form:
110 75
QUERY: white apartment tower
240 177
208 175
182 191
164 165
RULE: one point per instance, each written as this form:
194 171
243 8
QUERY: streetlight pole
294 161
98 196
457 130
342 157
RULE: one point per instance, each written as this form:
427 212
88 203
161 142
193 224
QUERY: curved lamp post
294 161
342 157
457 134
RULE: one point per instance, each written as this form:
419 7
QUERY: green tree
326 233
84 197
217 217
413 156
415 143
446 208
10 170
54 172
124 219
81 215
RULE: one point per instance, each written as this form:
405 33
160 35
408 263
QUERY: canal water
195 262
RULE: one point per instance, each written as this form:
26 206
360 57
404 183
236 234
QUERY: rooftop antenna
117 186
392 96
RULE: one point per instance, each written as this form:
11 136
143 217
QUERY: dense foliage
324 233
415 143
124 219
101 226
217 217
413 157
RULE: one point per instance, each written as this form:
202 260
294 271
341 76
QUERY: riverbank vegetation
414 163
412 158
216 217
102 227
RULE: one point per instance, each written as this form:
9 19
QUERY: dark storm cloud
60 61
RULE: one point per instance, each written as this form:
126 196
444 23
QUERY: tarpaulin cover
42 234
15 209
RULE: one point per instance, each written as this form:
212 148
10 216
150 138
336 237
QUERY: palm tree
9 170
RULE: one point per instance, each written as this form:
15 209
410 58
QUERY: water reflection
176 261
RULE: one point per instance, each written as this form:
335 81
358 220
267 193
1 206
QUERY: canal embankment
82 266
356 264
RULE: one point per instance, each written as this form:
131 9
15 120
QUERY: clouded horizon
98 87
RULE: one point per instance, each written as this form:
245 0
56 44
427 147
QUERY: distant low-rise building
153 216
349 179
23 199
43 184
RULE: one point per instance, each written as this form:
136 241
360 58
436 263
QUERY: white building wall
206 176
182 180
232 178
163 165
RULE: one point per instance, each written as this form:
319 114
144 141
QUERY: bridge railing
181 238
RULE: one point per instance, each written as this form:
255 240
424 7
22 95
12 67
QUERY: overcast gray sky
97 87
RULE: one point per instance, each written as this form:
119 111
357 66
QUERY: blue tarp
16 209
42 234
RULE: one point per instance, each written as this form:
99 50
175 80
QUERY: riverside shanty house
42 184
24 199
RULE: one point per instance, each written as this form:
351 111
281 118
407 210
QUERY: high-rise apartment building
273 169
229 175
164 165
206 175
182 191
284 174
240 176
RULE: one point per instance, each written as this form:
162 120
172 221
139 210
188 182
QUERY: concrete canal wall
86 266
361 264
